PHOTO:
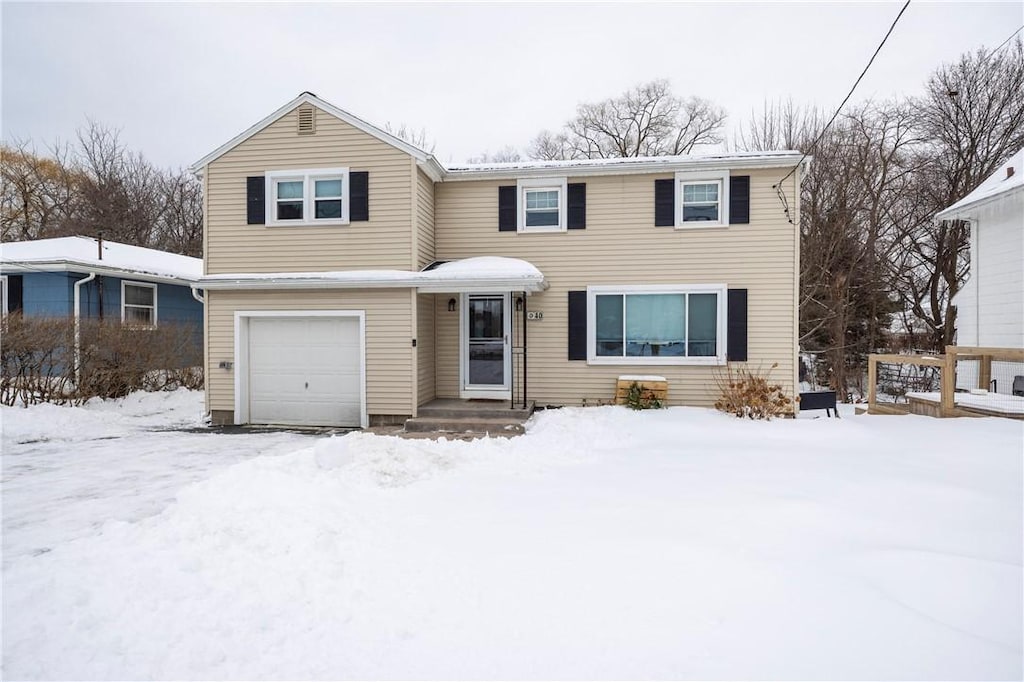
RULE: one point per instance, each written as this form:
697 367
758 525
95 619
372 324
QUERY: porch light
451 305
519 304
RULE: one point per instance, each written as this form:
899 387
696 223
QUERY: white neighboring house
990 307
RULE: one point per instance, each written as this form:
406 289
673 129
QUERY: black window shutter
255 200
739 199
358 195
577 204
577 325
507 208
737 325
664 203
15 293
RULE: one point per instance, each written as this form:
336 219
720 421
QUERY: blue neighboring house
115 281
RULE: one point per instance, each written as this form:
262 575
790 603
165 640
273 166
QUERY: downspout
196 295
78 328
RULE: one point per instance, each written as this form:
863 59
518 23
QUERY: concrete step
475 411
477 425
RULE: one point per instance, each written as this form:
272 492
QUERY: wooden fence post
948 382
985 371
872 381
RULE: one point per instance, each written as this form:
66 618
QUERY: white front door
486 331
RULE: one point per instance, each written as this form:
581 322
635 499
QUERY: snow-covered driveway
603 544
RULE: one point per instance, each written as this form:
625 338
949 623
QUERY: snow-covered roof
483 274
82 254
1009 177
633 164
437 172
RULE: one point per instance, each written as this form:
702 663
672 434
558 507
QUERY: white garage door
305 371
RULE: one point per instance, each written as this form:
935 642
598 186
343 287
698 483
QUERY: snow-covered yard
678 543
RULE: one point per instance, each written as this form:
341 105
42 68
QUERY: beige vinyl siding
385 241
621 245
425 348
389 352
424 220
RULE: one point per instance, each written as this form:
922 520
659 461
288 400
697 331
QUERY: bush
640 398
747 392
38 360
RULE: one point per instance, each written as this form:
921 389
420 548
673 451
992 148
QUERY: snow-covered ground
605 543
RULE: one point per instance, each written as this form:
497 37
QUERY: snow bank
605 543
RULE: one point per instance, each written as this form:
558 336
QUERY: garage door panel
305 371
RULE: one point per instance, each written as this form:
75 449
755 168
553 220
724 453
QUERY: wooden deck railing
947 373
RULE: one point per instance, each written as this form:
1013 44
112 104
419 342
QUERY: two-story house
351 278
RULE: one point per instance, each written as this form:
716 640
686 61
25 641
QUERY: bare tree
507 154
180 229
38 193
417 138
646 120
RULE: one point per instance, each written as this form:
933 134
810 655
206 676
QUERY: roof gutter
63 265
423 284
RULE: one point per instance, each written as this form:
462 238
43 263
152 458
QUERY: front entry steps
469 418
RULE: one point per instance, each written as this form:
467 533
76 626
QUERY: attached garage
301 368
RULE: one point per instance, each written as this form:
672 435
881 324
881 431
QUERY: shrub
37 360
640 398
747 392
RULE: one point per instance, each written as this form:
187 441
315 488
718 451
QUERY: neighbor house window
138 304
656 324
703 198
3 295
308 197
542 205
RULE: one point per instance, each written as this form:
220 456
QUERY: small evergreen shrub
640 398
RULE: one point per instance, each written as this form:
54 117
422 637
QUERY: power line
814 144
1008 39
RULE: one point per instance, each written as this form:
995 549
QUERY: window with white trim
316 196
702 198
138 304
542 205
657 325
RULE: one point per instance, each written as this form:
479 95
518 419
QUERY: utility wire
778 186
1007 40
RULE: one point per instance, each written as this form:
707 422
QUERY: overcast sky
179 80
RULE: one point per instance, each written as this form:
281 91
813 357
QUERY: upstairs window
542 205
702 199
138 304
308 197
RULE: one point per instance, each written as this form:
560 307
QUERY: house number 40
534 315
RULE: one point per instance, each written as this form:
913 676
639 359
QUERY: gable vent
307 120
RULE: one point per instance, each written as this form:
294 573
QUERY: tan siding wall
385 241
425 348
621 246
389 352
424 220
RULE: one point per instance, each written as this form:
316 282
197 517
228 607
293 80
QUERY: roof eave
64 265
960 211
423 285
644 167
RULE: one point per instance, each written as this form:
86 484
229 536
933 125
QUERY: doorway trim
485 392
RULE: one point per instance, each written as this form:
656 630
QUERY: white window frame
721 290
703 178
308 177
523 185
146 285
6 303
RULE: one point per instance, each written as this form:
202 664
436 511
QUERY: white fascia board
781 161
966 211
307 98
423 284
103 270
